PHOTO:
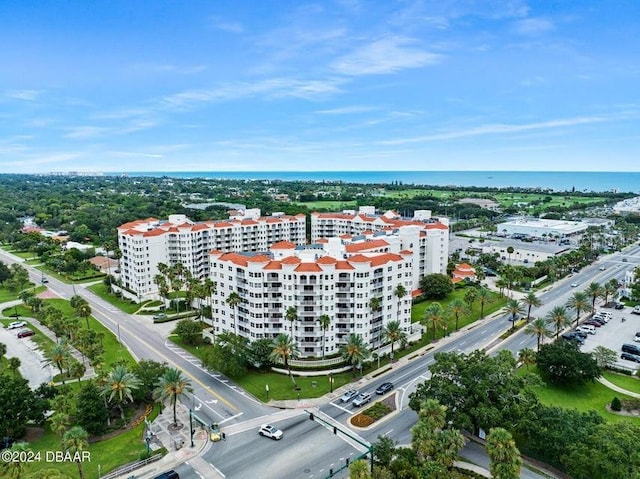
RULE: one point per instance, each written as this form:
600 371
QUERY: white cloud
499 128
386 55
168 68
86 131
533 26
226 26
346 110
24 95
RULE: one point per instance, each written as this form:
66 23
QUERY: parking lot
31 359
615 333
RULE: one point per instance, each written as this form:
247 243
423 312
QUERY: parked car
268 430
384 388
637 337
160 316
349 395
581 334
362 399
630 357
636 310
597 324
573 337
25 333
586 328
619 306
16 324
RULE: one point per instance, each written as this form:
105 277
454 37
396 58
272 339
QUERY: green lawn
590 397
328 205
497 302
630 383
124 305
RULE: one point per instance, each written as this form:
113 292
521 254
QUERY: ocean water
553 180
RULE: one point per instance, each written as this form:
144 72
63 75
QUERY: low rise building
541 228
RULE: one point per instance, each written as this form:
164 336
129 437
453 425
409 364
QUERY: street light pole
191 427
331 382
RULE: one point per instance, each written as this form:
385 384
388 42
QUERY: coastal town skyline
342 85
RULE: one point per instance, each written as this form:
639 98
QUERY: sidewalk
176 441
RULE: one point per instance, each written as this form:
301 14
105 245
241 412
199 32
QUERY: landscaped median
375 412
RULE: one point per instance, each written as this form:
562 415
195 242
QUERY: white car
268 430
637 338
636 310
602 268
574 285
17 324
362 399
349 395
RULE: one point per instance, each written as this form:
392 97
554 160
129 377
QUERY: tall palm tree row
539 328
594 291
291 315
74 441
484 298
456 308
435 315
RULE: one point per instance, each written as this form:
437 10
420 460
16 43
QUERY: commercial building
145 243
425 236
316 279
541 228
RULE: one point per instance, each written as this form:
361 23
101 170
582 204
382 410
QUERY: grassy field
497 302
124 305
590 397
630 383
328 205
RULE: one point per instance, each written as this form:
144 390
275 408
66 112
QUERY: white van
587 328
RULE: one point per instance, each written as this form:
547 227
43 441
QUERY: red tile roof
291 260
308 268
365 245
327 260
283 245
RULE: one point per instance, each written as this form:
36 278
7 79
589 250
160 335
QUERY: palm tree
514 308
539 328
527 356
594 291
393 332
234 300
284 348
15 469
470 297
530 301
14 365
504 457
400 293
74 441
60 422
434 314
354 351
325 322
559 318
291 315
58 355
510 251
456 308
208 290
609 289
77 370
501 283
484 297
580 302
118 387
172 385
84 311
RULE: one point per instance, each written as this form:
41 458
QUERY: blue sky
148 85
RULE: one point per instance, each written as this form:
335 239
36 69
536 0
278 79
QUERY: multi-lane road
310 449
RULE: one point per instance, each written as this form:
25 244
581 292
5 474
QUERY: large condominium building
145 243
426 237
316 280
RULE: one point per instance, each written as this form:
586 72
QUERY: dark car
630 357
619 306
573 337
384 388
580 334
25 333
593 322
